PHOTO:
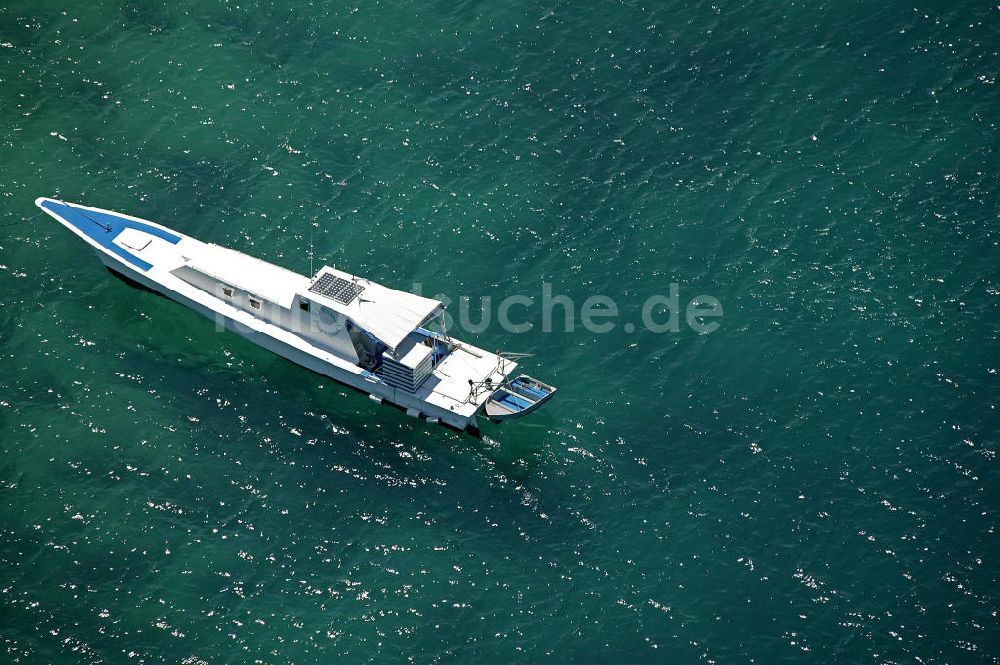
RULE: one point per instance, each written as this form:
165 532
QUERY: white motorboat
348 328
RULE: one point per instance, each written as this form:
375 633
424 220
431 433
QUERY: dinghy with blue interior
517 398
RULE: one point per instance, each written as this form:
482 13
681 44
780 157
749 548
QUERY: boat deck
104 228
448 386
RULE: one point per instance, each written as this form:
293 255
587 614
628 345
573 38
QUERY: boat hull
374 343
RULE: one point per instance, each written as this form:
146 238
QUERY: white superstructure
351 329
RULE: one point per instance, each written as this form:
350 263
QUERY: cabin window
304 305
255 303
227 291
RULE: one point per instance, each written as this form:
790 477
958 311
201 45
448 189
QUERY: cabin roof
270 282
388 314
385 313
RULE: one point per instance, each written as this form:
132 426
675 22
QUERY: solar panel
338 288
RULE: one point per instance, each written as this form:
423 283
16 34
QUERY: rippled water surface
816 481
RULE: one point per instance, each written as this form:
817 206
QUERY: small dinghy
518 398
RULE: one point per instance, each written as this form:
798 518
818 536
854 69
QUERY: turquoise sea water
816 481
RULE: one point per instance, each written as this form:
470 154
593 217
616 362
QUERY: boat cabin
377 328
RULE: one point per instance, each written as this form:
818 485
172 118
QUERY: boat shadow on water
521 396
268 383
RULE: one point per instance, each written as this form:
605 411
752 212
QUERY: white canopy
388 314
